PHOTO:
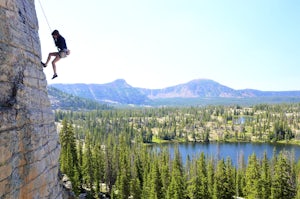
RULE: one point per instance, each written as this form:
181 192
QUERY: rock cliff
29 147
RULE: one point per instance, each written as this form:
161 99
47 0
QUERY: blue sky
160 43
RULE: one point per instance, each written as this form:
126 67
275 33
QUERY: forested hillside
65 101
105 151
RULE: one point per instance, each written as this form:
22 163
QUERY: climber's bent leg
51 55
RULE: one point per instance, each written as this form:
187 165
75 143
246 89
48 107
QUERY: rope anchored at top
45 16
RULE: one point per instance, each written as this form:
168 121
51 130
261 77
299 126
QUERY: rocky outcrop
29 147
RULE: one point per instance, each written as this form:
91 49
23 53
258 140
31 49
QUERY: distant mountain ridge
120 92
65 101
208 88
192 89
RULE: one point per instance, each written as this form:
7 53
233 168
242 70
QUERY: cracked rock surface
29 148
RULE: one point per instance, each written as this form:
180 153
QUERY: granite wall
29 148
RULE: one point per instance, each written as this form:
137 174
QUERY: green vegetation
207 101
104 151
61 100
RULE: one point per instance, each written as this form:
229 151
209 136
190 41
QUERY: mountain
65 101
120 92
193 89
116 92
205 88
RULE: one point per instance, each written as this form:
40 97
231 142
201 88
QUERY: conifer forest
106 152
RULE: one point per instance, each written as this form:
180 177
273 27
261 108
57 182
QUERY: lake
223 150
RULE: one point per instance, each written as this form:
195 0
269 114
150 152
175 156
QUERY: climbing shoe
44 64
54 76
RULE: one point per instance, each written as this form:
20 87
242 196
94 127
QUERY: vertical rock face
29 147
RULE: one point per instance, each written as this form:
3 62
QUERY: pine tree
110 162
80 164
283 182
136 174
135 188
240 176
156 184
297 170
230 173
64 142
139 169
192 179
253 188
198 187
68 156
146 186
210 178
188 168
202 173
239 182
165 172
98 160
123 179
193 188
177 188
88 165
265 177
220 179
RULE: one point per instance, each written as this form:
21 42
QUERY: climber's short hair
55 32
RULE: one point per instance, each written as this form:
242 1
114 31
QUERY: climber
63 51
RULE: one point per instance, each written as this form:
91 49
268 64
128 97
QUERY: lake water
223 150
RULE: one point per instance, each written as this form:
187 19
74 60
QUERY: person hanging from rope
63 51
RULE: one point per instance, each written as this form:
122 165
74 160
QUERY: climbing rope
45 16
